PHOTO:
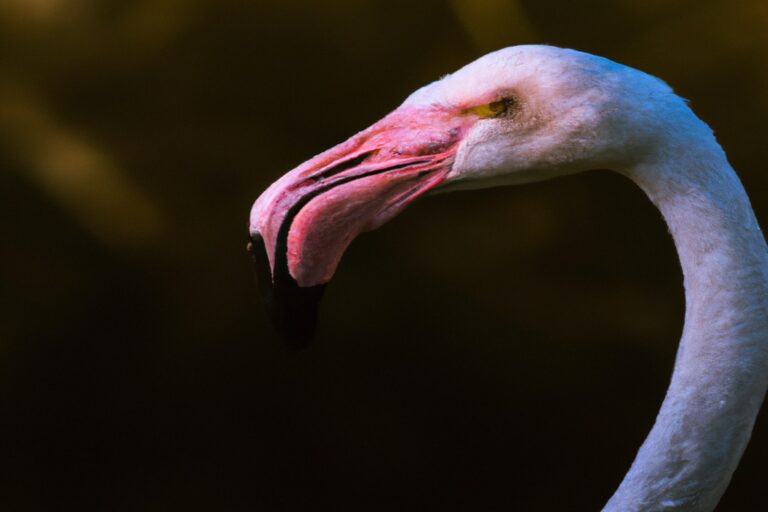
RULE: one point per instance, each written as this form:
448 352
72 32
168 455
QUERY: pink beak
308 218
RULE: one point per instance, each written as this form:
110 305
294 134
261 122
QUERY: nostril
343 166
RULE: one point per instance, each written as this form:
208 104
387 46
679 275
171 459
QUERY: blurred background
503 349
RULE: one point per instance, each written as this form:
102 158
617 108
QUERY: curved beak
302 224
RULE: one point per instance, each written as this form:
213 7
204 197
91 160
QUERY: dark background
503 349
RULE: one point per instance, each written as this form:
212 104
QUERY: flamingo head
517 115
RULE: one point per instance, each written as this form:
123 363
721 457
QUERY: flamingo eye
494 109
499 107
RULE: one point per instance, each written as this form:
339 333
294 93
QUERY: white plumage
573 112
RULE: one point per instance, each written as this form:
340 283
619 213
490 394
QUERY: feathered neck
721 369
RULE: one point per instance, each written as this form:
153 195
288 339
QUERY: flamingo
534 112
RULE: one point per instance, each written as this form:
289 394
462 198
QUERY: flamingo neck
721 369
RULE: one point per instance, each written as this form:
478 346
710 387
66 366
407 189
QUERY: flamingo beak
303 223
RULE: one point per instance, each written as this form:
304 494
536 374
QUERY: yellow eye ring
493 109
498 107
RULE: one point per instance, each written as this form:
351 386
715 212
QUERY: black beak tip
295 324
292 309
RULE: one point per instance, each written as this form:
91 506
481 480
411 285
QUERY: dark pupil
498 107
